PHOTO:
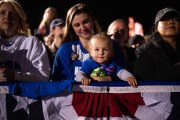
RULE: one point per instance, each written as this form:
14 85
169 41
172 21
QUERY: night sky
105 11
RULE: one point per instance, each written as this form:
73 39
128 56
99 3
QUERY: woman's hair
23 26
69 33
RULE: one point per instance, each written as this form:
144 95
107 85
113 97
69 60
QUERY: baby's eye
106 49
96 49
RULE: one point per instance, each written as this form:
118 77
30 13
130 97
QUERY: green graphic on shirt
98 72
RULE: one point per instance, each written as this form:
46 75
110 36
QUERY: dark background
105 11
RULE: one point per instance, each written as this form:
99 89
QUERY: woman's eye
86 21
176 19
2 13
76 25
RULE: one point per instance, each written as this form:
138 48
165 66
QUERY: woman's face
169 27
8 18
83 25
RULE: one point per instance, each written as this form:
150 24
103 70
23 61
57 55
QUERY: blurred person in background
135 28
136 41
49 15
54 40
119 32
57 30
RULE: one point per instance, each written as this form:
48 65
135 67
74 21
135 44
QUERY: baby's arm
81 77
101 79
125 75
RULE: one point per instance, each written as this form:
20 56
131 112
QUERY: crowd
59 49
77 48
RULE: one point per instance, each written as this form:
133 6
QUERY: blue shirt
110 68
68 60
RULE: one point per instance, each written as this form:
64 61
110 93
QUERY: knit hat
56 22
161 13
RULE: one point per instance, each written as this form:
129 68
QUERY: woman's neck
171 41
7 34
85 44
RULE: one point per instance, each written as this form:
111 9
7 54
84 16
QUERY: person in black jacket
159 59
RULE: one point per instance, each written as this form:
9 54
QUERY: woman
79 28
22 56
160 58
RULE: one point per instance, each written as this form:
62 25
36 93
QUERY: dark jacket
156 60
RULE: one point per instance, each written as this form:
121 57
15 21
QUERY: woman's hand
6 74
2 74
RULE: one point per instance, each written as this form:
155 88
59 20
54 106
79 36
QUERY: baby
101 63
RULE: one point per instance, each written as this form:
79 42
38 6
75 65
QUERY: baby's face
101 50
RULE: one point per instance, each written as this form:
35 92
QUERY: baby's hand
86 81
132 81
